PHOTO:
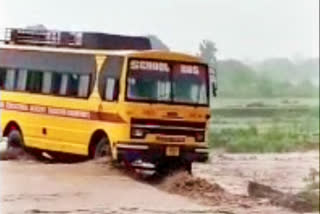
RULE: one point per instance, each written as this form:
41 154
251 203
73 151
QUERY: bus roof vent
85 40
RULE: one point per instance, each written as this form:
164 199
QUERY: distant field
276 102
270 125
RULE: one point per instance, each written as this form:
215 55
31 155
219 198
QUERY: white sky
242 29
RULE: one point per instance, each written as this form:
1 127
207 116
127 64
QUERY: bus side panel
61 134
64 134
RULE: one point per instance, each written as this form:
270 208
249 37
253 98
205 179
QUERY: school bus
143 107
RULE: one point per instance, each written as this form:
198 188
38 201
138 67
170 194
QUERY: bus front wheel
102 149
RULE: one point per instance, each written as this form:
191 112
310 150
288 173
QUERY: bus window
56 83
48 73
109 78
47 81
84 86
73 85
64 84
10 79
2 78
110 89
21 79
34 81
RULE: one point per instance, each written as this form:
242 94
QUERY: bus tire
102 148
188 167
15 140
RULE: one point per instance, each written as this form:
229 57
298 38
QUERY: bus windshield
170 82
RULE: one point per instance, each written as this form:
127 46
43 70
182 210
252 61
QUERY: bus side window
84 86
3 73
34 81
64 84
10 79
56 79
47 82
73 85
21 79
109 78
110 92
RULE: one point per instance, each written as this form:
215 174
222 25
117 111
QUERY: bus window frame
118 82
90 85
8 63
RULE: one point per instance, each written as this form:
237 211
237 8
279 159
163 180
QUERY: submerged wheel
15 148
101 149
15 140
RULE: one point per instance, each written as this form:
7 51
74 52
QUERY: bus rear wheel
15 148
15 140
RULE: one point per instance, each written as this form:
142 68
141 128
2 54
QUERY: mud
183 183
32 187
278 198
219 186
213 195
284 172
16 154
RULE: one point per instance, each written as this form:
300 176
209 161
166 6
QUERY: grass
250 140
259 128
261 112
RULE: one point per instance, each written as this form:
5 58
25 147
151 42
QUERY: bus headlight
137 133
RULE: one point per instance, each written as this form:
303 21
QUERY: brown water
29 186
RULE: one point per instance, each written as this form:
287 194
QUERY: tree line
277 77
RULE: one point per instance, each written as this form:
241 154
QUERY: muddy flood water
96 187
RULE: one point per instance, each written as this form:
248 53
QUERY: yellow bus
143 107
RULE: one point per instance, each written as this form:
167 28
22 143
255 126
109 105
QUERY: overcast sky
241 29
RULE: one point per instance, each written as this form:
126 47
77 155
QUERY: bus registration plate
172 151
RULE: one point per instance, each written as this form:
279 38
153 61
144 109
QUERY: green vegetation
265 127
275 139
270 78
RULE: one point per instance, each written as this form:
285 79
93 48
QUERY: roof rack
85 40
42 37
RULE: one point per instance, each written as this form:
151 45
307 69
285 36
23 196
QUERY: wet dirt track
95 187
28 187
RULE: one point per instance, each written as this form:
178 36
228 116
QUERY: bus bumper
154 153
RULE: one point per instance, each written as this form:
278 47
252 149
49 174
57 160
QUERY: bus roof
153 54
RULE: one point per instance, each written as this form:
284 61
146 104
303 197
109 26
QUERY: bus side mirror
214 89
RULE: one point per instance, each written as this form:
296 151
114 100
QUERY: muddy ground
220 186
